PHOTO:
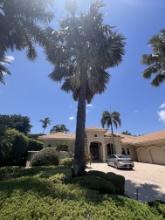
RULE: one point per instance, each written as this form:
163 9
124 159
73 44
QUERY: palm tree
156 60
110 119
59 128
45 122
84 49
22 25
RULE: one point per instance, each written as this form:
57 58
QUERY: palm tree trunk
113 141
79 157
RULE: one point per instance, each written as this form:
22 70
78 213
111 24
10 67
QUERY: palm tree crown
45 122
156 60
110 118
21 25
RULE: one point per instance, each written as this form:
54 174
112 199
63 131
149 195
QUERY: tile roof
58 135
155 136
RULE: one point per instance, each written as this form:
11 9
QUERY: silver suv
120 161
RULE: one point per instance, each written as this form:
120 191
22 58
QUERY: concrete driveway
147 179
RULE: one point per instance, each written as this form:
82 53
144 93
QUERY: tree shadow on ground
144 192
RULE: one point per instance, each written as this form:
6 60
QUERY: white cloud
89 105
161 115
71 118
162 106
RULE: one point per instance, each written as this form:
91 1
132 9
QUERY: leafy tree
110 119
18 122
45 122
13 148
21 25
156 60
126 132
59 128
84 48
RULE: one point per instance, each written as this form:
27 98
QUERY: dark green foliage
95 182
62 148
13 148
41 193
18 122
156 60
21 25
66 161
158 207
118 181
34 145
59 128
46 157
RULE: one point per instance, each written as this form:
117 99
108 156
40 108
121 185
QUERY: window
123 151
109 149
95 135
128 152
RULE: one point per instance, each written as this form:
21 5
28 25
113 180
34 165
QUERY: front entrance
95 151
110 150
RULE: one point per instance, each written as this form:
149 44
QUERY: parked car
120 161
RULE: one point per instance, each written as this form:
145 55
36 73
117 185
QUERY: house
100 144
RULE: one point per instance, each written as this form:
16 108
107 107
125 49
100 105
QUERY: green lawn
42 193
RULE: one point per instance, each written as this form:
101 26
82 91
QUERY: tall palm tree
156 60
84 49
45 122
22 25
110 119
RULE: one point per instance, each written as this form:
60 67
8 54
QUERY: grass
42 193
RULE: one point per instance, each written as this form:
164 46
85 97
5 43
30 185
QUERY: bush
13 148
118 181
45 157
35 145
96 183
62 148
66 161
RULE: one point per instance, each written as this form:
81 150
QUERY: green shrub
34 145
66 161
45 157
62 148
97 173
96 183
118 181
13 148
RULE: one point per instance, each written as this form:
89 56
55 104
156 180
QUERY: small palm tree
110 119
45 122
156 60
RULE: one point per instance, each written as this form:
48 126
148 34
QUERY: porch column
104 152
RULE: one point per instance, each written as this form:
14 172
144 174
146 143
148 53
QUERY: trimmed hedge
118 181
96 183
45 157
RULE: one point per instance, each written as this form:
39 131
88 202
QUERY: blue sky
29 91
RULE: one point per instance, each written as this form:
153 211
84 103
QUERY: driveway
146 179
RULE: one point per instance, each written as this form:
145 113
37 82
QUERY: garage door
144 155
158 155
